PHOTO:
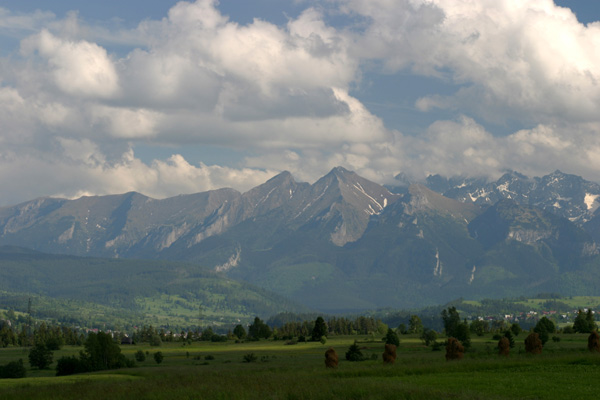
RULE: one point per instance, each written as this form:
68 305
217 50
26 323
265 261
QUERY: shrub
389 354
140 356
504 346
555 339
209 357
533 344
354 353
71 365
250 357
13 370
323 339
594 342
158 357
454 349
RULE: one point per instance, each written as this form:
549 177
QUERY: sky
166 97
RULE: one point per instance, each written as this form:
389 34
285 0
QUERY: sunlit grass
564 370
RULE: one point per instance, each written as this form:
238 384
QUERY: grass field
565 370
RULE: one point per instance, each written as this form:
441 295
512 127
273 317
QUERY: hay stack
331 358
454 350
389 354
504 346
533 344
594 342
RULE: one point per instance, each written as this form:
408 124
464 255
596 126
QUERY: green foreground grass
565 370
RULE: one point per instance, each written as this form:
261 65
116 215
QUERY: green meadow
203 370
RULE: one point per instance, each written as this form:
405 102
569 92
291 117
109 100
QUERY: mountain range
345 243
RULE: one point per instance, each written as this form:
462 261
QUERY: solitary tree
354 353
239 332
40 356
415 325
451 321
428 336
544 328
319 330
392 338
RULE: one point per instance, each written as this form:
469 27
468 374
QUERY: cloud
77 68
530 61
287 97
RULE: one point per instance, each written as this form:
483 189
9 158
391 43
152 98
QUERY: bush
250 357
13 370
71 365
209 357
354 353
158 357
140 356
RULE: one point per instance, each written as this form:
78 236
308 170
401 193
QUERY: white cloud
78 68
72 113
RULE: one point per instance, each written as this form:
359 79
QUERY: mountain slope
344 243
157 292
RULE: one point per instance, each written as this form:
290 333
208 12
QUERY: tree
461 332
589 317
239 332
158 357
354 353
259 329
516 329
415 325
40 356
479 327
140 356
392 338
101 352
543 328
451 321
319 330
581 324
428 336
402 329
